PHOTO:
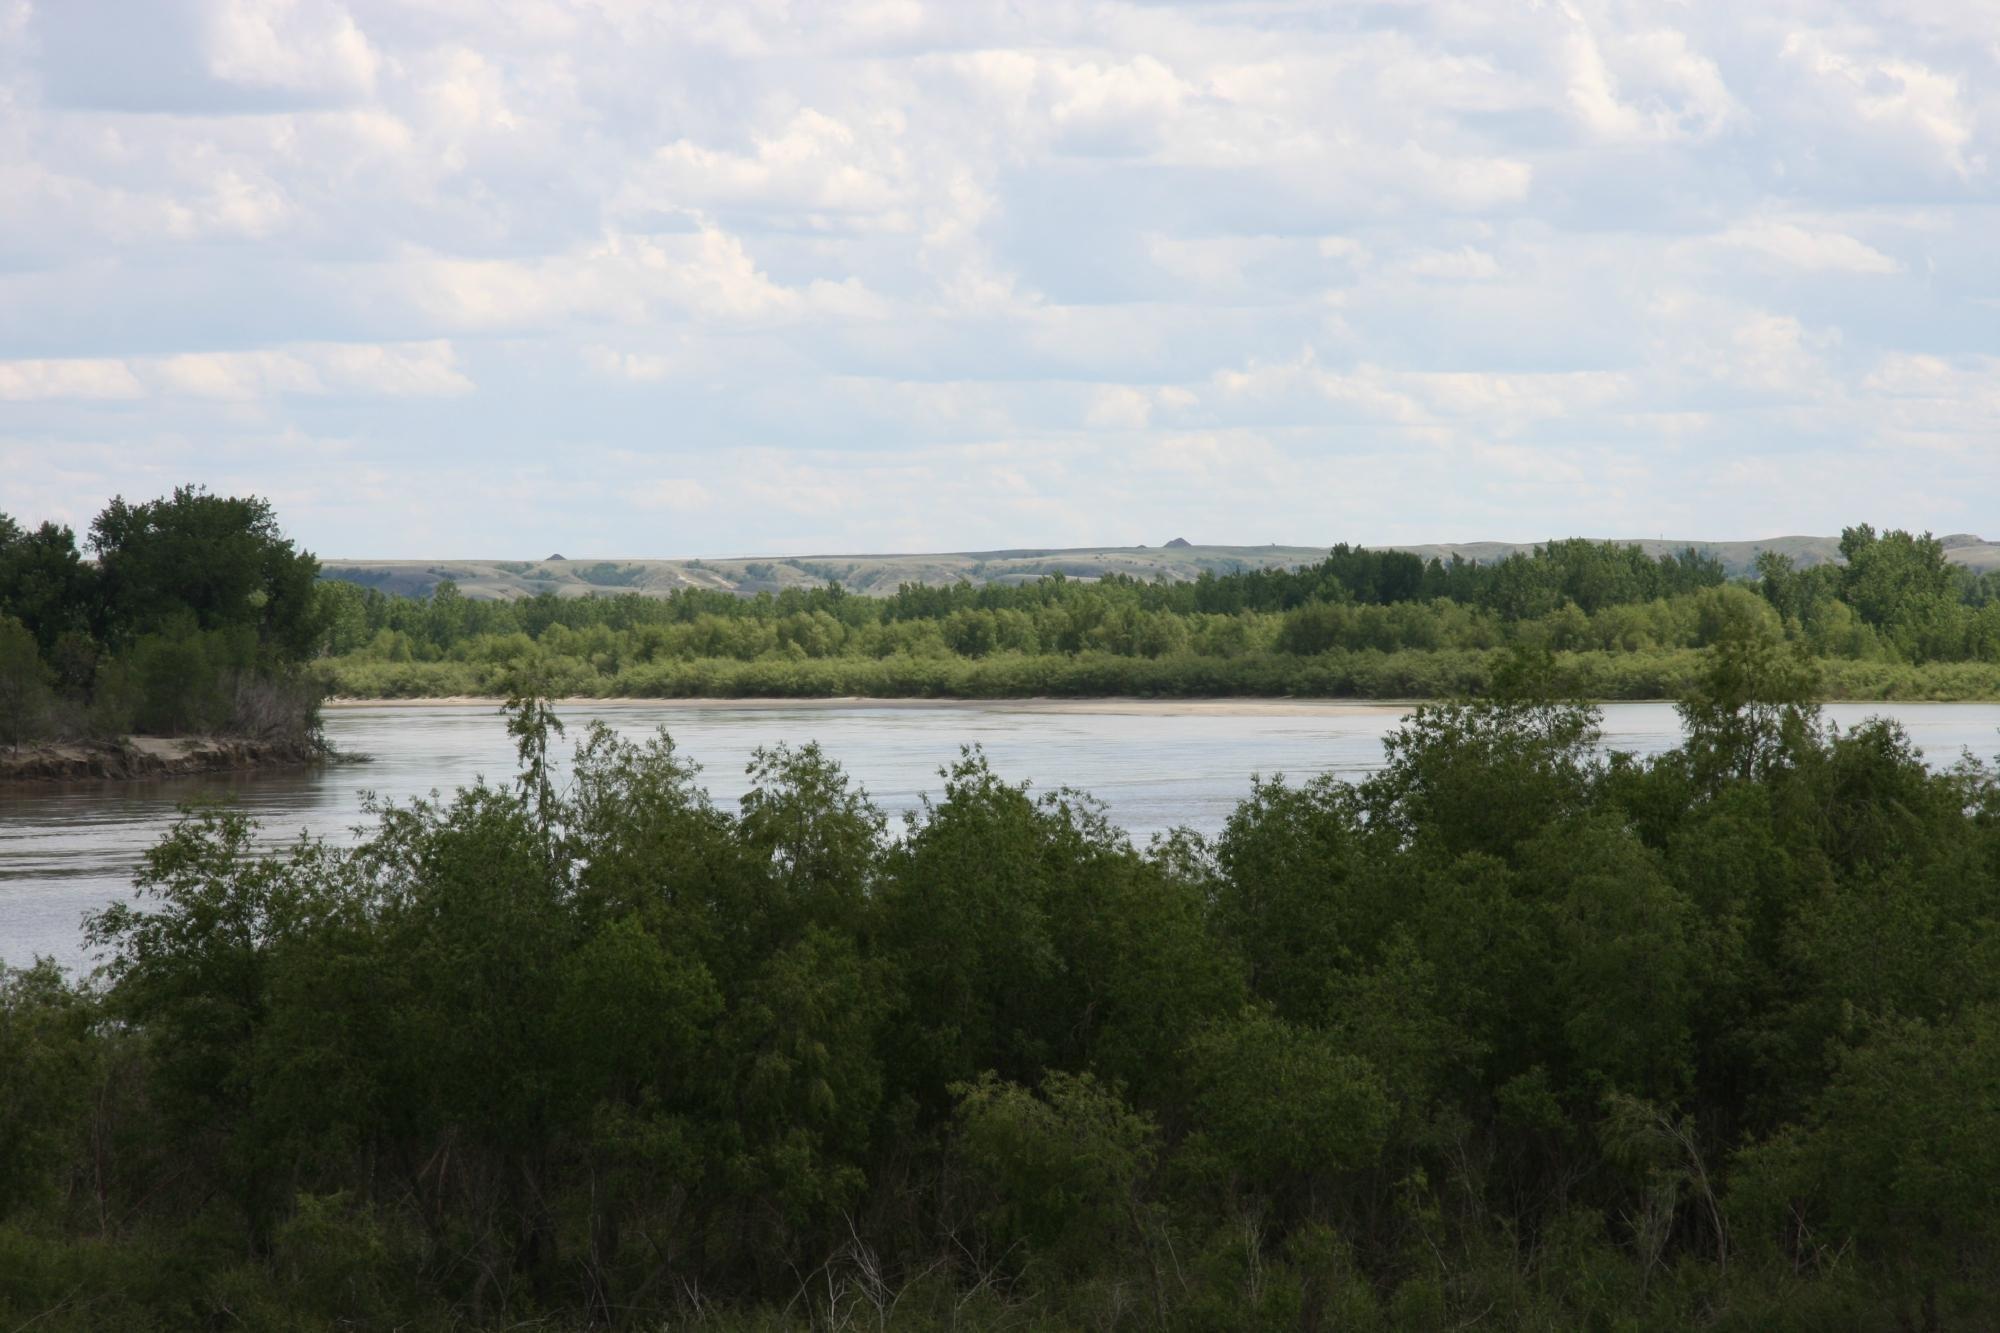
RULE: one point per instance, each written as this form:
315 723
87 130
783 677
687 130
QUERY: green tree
343 610
220 559
1753 704
1902 585
44 582
195 967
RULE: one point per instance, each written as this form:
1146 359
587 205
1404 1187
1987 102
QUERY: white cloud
234 375
468 94
1907 98
427 369
813 164
407 370
631 278
1816 251
1648 86
1120 407
893 271
1716 346
27 381
297 45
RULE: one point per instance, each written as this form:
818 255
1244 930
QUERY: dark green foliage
219 559
24 685
1511 1035
1290 1108
45 583
195 618
47 1070
1059 1175
1898 1156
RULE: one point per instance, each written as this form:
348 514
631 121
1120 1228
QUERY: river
68 850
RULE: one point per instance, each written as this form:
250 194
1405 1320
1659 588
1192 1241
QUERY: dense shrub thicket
1512 1035
1896 620
193 617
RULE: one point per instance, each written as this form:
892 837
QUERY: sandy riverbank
1124 707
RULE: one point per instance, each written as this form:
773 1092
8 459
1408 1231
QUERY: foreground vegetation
1897 621
1511 1035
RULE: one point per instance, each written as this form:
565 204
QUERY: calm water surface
70 850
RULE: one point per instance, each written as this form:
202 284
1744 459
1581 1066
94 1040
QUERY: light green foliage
1901 584
1362 623
342 608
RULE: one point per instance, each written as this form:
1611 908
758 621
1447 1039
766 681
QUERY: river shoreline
1123 705
1114 705
138 758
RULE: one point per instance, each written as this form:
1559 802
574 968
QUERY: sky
501 278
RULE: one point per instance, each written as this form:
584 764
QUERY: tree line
1896 619
193 614
1514 1034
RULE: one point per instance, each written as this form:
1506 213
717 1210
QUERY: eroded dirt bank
146 757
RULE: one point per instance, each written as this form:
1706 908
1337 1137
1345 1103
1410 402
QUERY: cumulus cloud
1918 105
1646 86
297 45
877 273
813 165
1801 247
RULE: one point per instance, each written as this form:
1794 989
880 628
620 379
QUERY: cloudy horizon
456 279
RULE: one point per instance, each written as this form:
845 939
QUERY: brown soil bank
147 757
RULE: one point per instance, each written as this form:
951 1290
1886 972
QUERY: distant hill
879 575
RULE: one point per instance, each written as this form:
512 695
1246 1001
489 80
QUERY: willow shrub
1511 1034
